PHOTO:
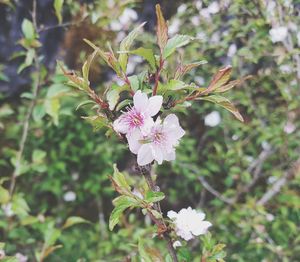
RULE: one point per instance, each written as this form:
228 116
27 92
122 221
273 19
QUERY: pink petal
171 126
133 139
154 105
121 126
140 101
157 154
144 155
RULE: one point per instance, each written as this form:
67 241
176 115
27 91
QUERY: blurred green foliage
63 157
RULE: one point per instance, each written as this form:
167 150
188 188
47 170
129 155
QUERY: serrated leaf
122 203
108 57
113 96
183 69
219 79
224 102
52 107
161 29
86 66
174 43
123 104
49 250
125 46
231 84
152 196
120 180
58 4
28 29
134 82
74 220
19 206
98 121
147 54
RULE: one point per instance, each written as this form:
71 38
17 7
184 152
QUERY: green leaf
174 85
86 102
52 107
224 102
152 196
4 195
143 253
113 95
134 82
121 203
74 220
147 54
19 206
120 180
10 259
98 121
58 4
38 155
51 235
28 29
38 112
174 43
123 104
86 66
125 46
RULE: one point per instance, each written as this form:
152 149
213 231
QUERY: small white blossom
213 8
189 223
181 9
21 258
2 254
232 50
137 193
159 144
289 128
138 117
128 16
278 34
270 217
212 119
7 209
174 26
177 244
69 196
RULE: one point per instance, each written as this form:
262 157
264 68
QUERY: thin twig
28 115
209 188
276 187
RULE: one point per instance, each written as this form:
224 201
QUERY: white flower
212 119
21 258
181 9
278 34
7 209
69 196
159 144
140 115
174 26
232 50
128 16
213 8
289 128
177 244
189 223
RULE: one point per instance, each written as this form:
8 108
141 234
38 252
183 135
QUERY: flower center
159 137
135 119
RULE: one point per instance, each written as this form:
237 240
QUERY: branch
275 189
209 188
28 115
146 172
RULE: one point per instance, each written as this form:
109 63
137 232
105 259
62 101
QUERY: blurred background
244 176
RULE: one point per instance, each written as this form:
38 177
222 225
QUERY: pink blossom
140 115
159 144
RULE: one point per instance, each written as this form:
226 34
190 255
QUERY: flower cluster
189 223
148 139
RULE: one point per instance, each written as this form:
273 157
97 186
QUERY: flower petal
140 101
120 125
171 125
157 154
146 127
144 155
154 105
171 214
133 139
202 228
